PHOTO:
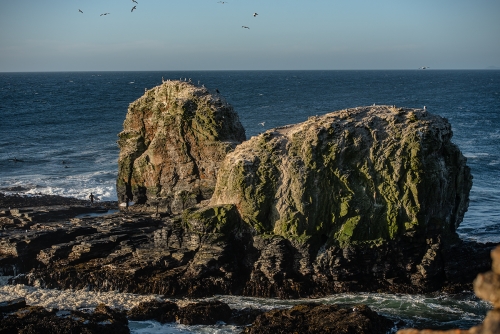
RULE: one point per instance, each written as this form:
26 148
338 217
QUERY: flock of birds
103 14
135 7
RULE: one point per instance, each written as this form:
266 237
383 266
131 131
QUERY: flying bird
80 11
255 14
245 27
134 1
222 2
133 8
263 123
104 14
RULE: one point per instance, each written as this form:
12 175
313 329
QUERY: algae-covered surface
358 175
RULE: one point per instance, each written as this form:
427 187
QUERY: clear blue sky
52 35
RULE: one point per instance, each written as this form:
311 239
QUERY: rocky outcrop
319 319
212 251
365 199
173 140
367 174
36 319
486 287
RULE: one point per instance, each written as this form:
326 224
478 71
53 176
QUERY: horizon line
281 70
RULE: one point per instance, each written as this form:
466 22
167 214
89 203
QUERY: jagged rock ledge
193 256
305 318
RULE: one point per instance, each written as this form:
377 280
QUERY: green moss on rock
353 176
173 141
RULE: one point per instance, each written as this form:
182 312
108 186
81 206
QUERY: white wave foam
470 155
71 299
74 186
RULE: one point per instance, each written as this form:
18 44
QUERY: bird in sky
245 27
134 1
255 14
104 14
222 2
80 11
133 8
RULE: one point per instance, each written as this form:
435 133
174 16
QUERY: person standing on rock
91 197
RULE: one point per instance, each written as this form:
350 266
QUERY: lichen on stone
173 140
359 175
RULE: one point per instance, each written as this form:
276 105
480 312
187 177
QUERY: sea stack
173 140
367 174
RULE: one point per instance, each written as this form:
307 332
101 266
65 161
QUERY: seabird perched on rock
245 27
80 11
133 8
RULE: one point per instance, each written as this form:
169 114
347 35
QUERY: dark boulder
320 319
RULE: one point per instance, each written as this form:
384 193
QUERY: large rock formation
365 199
173 140
367 174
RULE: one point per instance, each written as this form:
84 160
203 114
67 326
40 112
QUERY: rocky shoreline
48 246
366 199
144 253
43 244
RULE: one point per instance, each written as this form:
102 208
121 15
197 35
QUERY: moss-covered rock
360 175
173 140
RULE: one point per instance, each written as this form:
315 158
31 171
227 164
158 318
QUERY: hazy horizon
256 70
201 35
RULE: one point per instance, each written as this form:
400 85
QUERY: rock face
173 140
212 251
367 174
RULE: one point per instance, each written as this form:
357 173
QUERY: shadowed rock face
486 287
365 174
173 140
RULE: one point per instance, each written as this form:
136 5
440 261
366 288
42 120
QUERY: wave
442 311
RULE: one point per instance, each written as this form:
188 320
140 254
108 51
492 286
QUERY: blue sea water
58 131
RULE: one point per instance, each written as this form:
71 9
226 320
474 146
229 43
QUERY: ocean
58 134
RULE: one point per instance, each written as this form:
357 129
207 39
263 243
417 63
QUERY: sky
52 35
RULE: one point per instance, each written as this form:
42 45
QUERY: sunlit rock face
366 174
173 140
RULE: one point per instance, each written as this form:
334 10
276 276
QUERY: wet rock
12 305
161 311
316 318
486 287
204 313
31 319
245 316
